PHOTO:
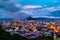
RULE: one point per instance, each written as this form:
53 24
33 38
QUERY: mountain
54 16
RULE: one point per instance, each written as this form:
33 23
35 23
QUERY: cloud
32 6
9 5
45 17
22 15
50 9
11 9
45 12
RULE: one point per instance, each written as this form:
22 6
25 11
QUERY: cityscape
29 19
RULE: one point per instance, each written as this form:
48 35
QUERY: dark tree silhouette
18 37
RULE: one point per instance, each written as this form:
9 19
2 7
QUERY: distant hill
55 14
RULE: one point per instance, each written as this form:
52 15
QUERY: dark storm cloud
11 9
9 5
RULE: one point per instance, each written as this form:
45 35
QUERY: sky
21 9
41 2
